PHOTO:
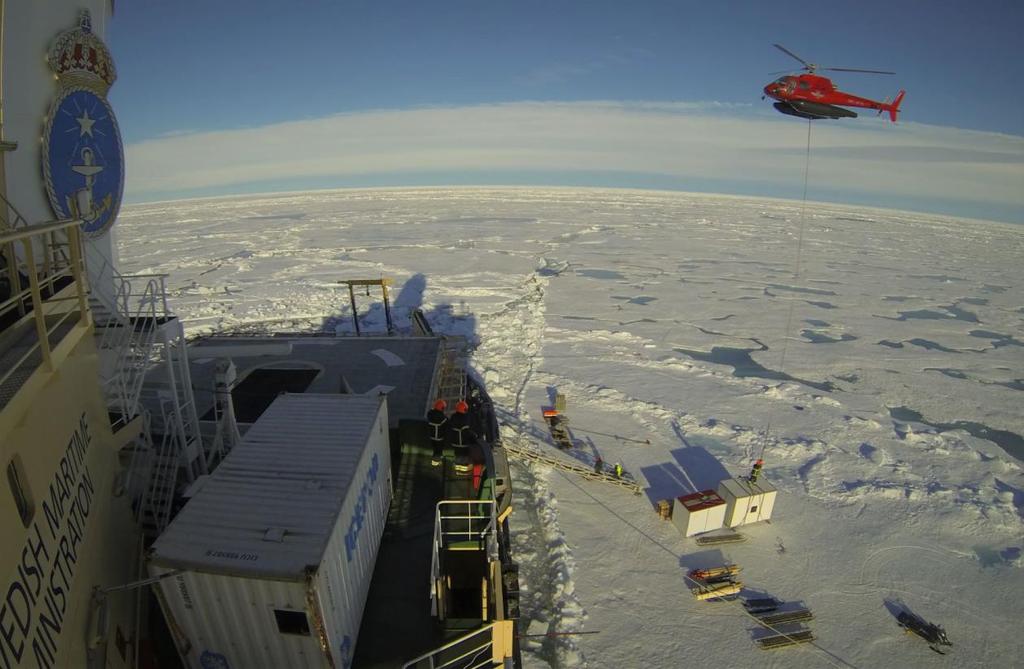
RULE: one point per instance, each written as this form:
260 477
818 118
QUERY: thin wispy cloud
687 142
560 72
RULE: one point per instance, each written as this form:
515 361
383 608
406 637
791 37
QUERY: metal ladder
451 383
127 312
169 397
522 449
157 501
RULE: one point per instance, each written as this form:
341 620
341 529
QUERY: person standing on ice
618 470
460 434
599 465
437 422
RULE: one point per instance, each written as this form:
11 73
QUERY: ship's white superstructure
70 540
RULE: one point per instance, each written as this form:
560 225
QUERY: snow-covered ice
882 366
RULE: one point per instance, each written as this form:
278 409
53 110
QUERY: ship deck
405 368
397 625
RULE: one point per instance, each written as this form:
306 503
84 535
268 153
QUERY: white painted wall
29 88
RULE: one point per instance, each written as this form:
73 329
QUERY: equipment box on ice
700 512
275 552
747 502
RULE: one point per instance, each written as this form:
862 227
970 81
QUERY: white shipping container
277 548
747 502
700 512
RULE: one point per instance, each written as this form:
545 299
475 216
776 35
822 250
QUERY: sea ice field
875 356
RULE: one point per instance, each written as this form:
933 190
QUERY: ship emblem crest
83 159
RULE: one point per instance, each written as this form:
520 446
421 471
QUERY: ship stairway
128 312
487 646
451 383
168 396
466 590
464 555
167 401
153 478
520 448
157 506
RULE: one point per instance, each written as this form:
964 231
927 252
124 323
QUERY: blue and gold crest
83 159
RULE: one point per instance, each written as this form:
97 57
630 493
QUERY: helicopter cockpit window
786 84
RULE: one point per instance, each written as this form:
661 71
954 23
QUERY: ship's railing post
37 304
12 274
75 241
435 564
472 653
163 294
387 307
352 301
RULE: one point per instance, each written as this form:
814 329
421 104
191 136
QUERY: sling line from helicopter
812 96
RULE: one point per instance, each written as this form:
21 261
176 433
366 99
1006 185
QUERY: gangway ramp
522 448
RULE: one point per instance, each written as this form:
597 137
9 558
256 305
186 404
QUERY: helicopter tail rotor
894 108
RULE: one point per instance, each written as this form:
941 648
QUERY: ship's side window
291 622
19 488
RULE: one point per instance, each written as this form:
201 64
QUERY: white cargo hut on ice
276 550
747 502
700 512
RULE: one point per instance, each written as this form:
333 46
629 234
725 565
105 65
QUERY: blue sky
201 80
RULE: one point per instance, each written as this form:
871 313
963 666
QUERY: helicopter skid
813 110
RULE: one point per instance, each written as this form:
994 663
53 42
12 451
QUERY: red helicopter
812 96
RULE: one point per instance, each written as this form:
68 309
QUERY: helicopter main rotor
812 67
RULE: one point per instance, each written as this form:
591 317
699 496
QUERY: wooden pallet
718 591
796 616
784 640
714 540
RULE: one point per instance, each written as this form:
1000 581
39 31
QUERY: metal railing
52 259
464 520
158 498
127 310
128 338
471 521
467 652
116 292
41 275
